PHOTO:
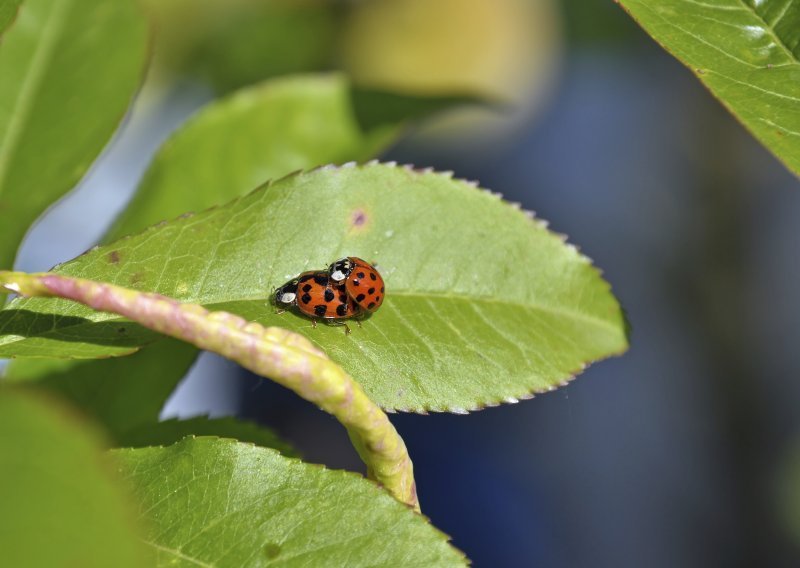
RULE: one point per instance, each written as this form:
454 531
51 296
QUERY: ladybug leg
279 311
314 323
339 323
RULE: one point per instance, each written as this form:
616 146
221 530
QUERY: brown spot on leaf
272 550
113 257
360 219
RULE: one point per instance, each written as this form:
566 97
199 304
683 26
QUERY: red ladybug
362 281
316 295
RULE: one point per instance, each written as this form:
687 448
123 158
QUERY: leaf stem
281 355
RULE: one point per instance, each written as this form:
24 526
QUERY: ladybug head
286 295
341 269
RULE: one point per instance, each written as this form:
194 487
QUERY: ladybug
362 281
316 295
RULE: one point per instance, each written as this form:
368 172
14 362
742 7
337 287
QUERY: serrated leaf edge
322 468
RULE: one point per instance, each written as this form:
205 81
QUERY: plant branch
283 356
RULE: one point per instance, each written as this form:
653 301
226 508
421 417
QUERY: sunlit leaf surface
213 502
68 71
483 304
747 52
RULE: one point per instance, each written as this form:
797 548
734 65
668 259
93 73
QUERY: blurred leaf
8 12
120 393
170 431
747 52
483 304
374 108
257 134
253 507
69 71
233 43
61 505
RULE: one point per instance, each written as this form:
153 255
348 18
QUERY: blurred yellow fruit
503 50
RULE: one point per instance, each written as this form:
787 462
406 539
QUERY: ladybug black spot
381 289
341 310
307 288
305 299
321 279
371 291
320 310
356 282
360 298
370 305
343 297
361 275
377 298
372 276
305 278
329 295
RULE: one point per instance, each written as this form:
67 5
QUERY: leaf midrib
771 29
579 316
33 79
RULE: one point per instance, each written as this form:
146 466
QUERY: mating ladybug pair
351 287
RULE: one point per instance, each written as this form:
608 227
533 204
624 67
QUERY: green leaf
8 12
253 507
266 132
69 72
119 393
286 357
374 108
483 304
747 52
61 504
170 431
269 130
